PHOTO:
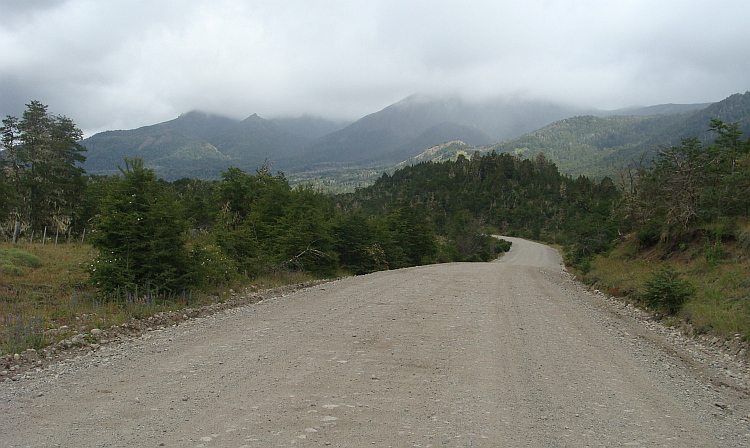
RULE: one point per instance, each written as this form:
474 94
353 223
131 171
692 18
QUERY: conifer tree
41 163
140 234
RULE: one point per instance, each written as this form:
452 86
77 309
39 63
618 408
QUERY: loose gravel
513 353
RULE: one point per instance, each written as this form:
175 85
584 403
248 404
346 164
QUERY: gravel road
506 354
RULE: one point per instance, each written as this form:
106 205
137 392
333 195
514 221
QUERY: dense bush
666 291
140 235
12 261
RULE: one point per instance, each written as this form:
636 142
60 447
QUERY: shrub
20 258
8 268
650 234
667 291
139 234
210 265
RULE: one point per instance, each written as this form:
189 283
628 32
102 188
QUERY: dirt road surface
506 354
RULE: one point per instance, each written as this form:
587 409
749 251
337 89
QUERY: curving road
506 354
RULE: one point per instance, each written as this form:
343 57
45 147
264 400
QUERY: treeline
191 233
689 190
503 194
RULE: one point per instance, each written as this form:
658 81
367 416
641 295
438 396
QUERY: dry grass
55 294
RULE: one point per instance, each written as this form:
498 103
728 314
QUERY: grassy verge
719 272
45 296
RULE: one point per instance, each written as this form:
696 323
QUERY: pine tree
41 161
140 234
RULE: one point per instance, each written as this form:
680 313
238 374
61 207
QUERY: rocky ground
515 353
17 366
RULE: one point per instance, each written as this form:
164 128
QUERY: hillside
579 141
201 145
407 128
589 145
597 146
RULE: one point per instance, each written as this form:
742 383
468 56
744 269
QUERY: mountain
597 146
660 109
309 127
201 145
580 141
406 128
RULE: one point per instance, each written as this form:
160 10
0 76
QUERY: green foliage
199 200
587 144
649 234
20 258
355 242
411 239
691 185
12 262
715 251
667 291
265 225
41 164
462 200
139 234
8 268
210 266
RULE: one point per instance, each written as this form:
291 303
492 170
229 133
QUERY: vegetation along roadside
85 252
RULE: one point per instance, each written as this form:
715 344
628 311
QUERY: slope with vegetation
686 225
499 193
202 145
151 243
600 146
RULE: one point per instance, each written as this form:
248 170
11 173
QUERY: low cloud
123 64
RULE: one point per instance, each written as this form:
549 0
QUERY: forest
192 235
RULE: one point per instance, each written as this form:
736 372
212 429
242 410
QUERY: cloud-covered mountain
201 145
197 144
599 145
406 128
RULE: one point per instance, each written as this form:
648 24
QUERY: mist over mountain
198 144
201 145
404 129
599 145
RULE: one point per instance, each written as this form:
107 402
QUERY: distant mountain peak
201 144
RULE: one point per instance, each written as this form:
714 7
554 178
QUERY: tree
41 161
265 225
676 183
139 234
413 240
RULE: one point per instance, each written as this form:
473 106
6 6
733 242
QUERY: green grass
13 261
720 276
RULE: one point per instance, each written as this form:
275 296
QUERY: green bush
715 252
667 291
650 234
139 234
8 268
210 265
18 257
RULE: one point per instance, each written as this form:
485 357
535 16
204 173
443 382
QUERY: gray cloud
123 64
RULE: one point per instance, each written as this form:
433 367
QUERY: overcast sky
121 64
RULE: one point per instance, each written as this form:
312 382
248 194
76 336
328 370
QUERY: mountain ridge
200 144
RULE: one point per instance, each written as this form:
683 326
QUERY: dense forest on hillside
503 194
589 144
